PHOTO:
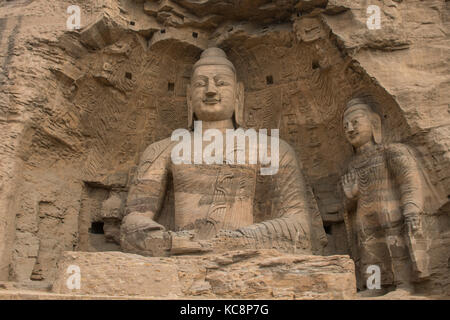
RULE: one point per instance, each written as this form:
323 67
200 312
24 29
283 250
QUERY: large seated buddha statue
214 200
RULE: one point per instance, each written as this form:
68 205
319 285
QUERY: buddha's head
214 93
361 124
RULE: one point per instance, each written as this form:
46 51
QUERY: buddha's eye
199 83
221 83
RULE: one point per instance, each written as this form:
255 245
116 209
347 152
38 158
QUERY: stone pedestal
244 274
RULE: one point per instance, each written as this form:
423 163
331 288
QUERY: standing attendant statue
384 190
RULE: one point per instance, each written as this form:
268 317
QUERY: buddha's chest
232 180
223 193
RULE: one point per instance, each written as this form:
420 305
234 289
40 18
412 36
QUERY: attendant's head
361 124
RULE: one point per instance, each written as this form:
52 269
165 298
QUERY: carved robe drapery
388 178
222 196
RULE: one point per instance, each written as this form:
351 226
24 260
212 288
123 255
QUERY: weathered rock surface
77 108
245 274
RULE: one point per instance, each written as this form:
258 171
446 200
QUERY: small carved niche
327 229
315 65
97 227
269 80
93 224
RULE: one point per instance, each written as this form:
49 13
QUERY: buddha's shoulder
282 144
285 145
286 150
157 149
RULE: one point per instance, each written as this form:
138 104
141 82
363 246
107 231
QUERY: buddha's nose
349 127
211 90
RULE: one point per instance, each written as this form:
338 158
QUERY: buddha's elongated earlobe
190 109
376 128
239 105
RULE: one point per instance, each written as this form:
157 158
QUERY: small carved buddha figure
215 200
384 202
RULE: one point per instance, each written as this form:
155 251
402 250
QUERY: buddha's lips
211 101
353 135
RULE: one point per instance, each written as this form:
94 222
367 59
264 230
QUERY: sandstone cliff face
77 108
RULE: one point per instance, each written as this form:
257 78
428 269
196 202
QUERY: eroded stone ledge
244 274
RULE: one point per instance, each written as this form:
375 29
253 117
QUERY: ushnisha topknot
214 56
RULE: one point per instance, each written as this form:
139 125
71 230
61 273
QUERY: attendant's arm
403 168
350 188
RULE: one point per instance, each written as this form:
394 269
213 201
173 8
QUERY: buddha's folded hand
140 221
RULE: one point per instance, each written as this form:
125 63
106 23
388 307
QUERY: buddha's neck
221 125
364 148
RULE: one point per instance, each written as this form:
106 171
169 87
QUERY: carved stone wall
78 108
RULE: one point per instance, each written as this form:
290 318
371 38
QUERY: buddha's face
213 92
358 128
